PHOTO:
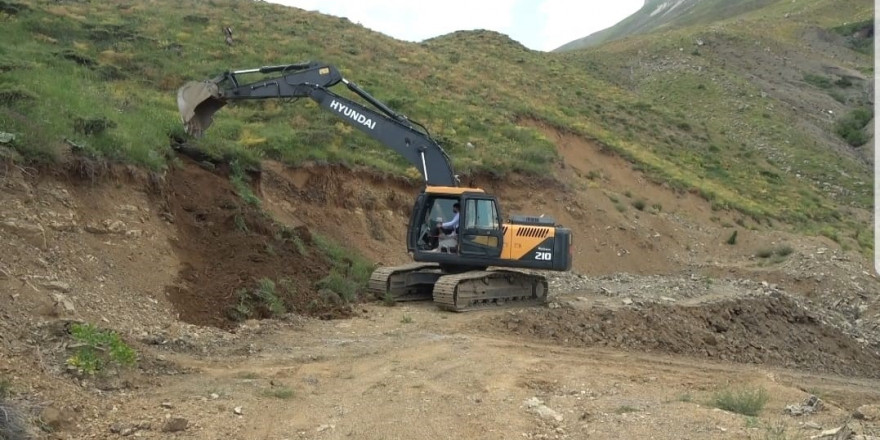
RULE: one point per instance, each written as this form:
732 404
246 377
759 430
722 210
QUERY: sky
537 24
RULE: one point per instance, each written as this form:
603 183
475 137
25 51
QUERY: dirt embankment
756 329
226 244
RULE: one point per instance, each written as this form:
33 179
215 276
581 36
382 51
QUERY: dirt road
413 371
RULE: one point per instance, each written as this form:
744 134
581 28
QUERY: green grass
260 301
624 409
745 401
350 273
851 127
283 393
732 239
98 349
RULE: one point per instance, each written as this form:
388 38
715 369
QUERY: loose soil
226 245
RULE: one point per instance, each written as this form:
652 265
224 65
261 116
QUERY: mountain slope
668 14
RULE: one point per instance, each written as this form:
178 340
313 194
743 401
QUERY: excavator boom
199 100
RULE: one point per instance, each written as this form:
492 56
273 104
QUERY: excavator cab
477 240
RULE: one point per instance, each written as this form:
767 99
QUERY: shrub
346 288
784 250
732 239
260 302
822 82
282 393
748 402
639 204
851 127
97 349
764 253
12 423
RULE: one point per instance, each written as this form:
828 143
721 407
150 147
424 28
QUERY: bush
12 425
97 349
764 253
748 402
259 302
852 126
639 204
822 82
732 239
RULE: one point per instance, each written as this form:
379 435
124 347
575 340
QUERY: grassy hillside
99 78
773 105
657 15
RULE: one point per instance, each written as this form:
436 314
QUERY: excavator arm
199 100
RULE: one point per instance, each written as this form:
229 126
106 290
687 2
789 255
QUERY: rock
323 428
57 286
134 233
95 229
536 406
839 433
33 233
166 405
116 226
56 418
237 410
811 405
63 304
175 424
869 413
627 301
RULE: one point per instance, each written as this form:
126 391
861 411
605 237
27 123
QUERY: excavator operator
452 225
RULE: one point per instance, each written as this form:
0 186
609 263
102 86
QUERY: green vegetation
242 183
283 393
261 301
406 319
97 349
5 388
859 35
350 273
852 126
748 402
732 239
822 82
779 251
624 409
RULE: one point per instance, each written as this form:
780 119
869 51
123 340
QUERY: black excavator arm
198 101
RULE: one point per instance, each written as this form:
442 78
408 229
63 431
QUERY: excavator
472 260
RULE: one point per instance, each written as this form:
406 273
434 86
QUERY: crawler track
492 288
409 282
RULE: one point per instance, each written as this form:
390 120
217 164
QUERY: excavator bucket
197 102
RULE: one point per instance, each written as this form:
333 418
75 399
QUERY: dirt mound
226 245
760 330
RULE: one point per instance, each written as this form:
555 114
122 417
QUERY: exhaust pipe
197 102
